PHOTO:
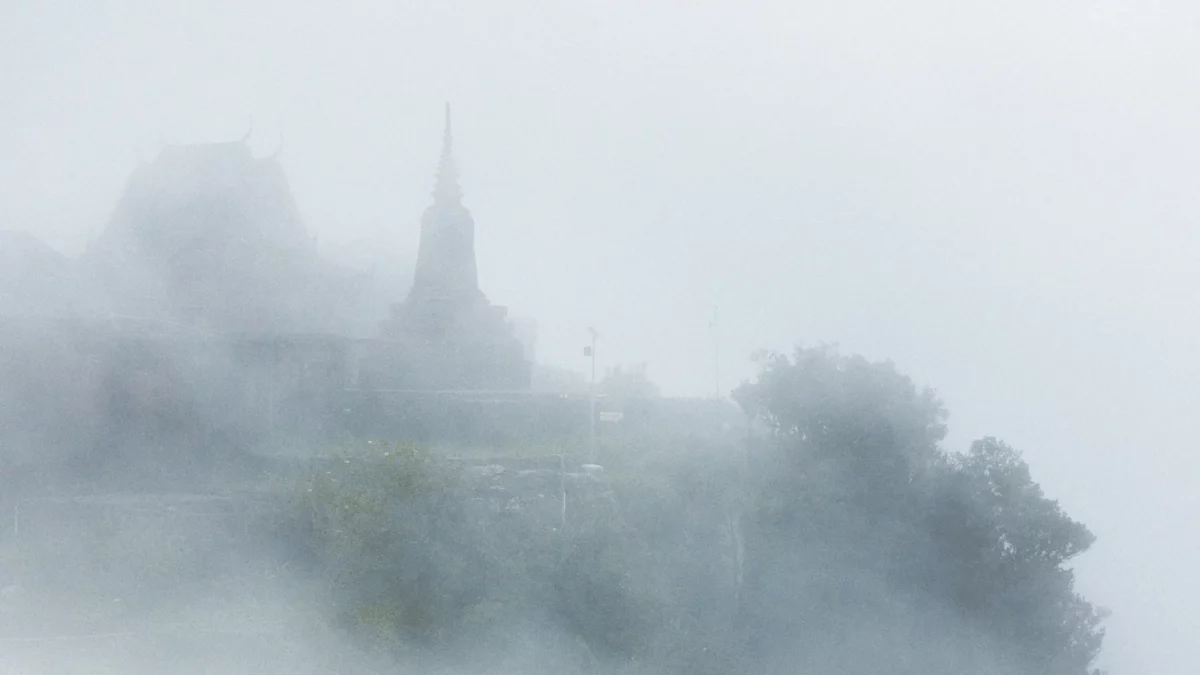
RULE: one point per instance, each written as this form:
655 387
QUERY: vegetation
834 535
840 539
856 494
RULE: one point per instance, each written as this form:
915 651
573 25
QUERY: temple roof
210 234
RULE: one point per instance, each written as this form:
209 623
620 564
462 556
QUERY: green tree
1004 545
864 522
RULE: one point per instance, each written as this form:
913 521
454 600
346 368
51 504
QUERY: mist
996 199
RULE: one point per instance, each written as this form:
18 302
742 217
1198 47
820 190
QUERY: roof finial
446 187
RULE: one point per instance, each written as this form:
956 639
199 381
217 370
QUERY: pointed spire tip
446 186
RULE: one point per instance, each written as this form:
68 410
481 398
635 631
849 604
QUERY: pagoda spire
446 188
446 335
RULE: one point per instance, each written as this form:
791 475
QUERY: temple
207 238
203 316
447 335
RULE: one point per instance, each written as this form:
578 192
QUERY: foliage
857 503
844 539
1019 540
420 558
394 541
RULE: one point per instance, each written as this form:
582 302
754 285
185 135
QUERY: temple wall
505 419
78 390
73 388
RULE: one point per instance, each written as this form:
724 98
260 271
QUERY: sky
998 197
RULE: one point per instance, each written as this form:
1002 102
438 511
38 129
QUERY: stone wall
503 419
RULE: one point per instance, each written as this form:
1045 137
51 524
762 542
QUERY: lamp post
591 351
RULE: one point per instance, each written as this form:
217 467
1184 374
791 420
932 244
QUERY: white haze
1000 197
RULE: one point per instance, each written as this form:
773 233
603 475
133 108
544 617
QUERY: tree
1009 543
849 425
867 523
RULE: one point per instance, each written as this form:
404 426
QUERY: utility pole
591 351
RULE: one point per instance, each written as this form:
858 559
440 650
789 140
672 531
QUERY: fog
998 198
